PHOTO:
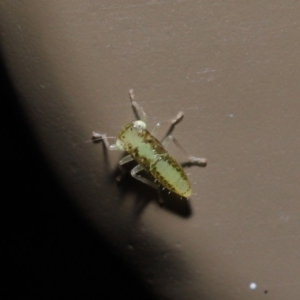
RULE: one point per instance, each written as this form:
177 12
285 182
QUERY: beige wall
233 67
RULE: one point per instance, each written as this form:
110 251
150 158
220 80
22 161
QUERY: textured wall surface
233 67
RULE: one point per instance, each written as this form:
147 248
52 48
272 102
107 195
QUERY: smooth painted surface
233 68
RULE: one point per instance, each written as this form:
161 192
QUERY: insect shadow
144 194
155 167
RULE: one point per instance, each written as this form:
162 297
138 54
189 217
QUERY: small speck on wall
253 286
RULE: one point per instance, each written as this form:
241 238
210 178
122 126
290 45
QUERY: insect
151 154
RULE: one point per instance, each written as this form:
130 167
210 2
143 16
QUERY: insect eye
139 125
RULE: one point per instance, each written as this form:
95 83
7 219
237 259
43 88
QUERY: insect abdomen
170 174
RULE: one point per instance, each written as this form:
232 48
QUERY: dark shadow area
48 251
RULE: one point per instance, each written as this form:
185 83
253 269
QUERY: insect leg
191 159
137 107
126 159
134 174
102 136
171 123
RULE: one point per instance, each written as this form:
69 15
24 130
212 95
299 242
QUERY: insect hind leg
191 159
134 174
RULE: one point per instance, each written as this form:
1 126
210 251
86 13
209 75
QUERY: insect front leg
191 159
137 107
102 136
134 174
